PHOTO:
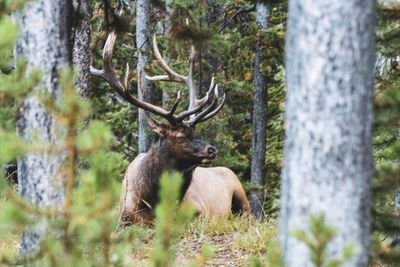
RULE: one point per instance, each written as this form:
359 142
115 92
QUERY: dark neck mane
156 162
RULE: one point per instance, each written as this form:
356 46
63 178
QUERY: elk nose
212 151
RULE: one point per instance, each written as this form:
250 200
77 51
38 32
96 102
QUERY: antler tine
190 83
175 105
109 74
195 105
126 77
211 110
172 75
215 111
204 112
196 109
199 103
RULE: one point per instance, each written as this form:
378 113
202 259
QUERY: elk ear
158 127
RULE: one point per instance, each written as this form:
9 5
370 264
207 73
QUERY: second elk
211 191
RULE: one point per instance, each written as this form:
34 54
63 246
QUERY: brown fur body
211 191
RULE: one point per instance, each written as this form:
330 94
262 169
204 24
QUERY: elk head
178 137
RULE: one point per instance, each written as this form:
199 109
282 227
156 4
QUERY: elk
211 191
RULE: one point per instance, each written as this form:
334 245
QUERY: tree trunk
144 86
166 94
81 53
330 56
259 117
45 43
396 238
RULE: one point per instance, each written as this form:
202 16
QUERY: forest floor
233 241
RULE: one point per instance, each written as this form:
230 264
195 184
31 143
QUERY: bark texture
330 56
45 43
144 86
81 53
166 94
259 117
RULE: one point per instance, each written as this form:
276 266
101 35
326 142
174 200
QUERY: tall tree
81 53
45 43
144 86
330 56
166 94
259 116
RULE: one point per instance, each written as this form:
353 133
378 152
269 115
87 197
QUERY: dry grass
9 246
233 239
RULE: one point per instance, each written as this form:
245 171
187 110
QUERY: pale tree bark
330 56
166 94
144 86
259 117
45 43
81 53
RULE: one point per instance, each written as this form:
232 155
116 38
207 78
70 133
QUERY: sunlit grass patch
257 237
9 246
218 225
233 238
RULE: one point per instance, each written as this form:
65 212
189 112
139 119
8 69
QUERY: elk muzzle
211 152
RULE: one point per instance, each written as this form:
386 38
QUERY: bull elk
210 191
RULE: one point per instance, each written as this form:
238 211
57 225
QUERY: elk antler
195 105
109 74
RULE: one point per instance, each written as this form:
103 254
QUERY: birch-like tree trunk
144 86
81 53
259 117
45 43
330 56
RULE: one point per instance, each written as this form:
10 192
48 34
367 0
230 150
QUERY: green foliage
318 239
8 32
275 257
255 262
11 146
386 222
170 219
8 6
